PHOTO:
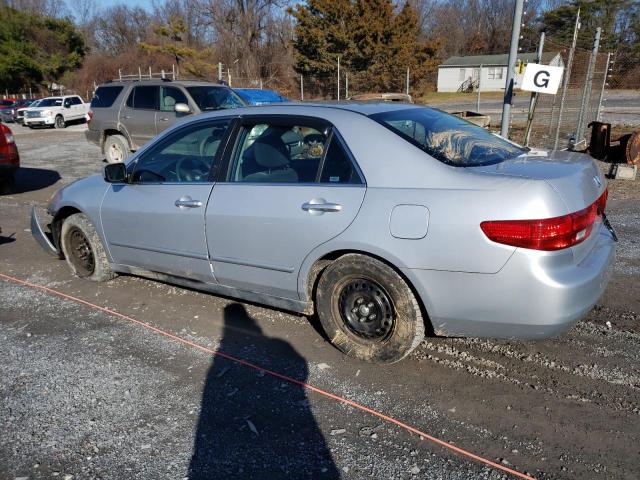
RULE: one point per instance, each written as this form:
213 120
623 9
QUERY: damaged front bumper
41 236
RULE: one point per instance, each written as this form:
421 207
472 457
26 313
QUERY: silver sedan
385 220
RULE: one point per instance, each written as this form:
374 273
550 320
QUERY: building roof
492 60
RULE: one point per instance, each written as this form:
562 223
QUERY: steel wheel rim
80 252
60 122
366 309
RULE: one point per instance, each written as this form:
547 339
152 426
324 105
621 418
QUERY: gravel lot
85 394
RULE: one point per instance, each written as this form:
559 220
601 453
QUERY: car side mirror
67 105
115 173
182 108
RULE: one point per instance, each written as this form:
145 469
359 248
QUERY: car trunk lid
574 176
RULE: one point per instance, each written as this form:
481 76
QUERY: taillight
546 234
8 149
7 135
89 116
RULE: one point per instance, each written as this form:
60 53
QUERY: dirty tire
79 235
361 278
59 122
116 148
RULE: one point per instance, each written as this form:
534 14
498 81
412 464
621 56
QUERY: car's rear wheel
116 148
367 310
59 122
83 249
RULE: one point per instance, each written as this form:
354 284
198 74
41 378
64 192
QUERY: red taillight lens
8 149
549 233
89 116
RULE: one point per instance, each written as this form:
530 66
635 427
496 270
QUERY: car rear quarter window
448 138
337 166
105 96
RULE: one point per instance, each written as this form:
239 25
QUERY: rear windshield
214 98
51 102
448 138
105 96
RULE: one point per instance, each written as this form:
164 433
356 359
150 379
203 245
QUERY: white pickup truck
56 112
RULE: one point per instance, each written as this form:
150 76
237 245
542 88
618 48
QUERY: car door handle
164 119
321 207
127 117
188 202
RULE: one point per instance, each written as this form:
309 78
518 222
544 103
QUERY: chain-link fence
320 87
561 121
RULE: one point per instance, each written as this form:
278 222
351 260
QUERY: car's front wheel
83 250
368 310
116 148
59 122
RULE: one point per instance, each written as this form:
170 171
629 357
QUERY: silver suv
126 114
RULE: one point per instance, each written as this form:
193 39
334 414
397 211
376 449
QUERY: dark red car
9 159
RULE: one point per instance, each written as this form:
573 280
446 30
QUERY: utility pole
301 87
338 78
604 86
219 71
567 76
346 86
534 95
511 65
586 93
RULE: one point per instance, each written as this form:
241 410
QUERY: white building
486 72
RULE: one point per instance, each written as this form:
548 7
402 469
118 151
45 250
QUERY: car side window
144 98
337 166
186 156
278 154
169 96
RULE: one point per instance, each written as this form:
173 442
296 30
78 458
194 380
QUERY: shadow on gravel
253 425
32 179
8 239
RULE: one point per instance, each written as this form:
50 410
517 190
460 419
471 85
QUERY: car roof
159 81
304 108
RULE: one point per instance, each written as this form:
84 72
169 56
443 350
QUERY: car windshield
448 138
214 98
51 102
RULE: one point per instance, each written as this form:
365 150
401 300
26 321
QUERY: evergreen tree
172 38
376 42
35 49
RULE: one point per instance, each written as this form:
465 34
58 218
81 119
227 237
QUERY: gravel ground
88 395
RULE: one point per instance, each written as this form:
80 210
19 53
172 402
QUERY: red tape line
307 386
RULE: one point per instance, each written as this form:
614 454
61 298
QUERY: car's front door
138 114
291 186
166 114
156 220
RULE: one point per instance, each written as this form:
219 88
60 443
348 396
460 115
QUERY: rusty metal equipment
631 146
600 139
624 149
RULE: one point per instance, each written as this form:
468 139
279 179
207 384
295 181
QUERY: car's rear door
290 186
156 221
138 114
